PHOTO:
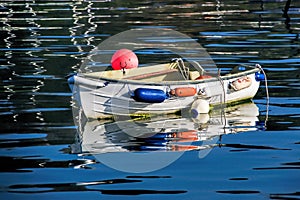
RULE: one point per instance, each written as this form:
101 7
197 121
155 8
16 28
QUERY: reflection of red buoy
186 136
183 147
124 59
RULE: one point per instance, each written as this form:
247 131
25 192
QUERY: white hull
104 97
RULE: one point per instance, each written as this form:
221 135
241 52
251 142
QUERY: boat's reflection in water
174 133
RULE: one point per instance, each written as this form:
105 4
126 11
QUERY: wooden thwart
152 74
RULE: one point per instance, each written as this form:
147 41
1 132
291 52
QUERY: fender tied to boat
150 95
183 91
259 76
71 80
199 106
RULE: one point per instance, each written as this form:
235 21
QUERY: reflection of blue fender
149 95
153 148
149 142
261 125
161 136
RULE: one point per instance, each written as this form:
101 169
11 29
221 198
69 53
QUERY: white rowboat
161 88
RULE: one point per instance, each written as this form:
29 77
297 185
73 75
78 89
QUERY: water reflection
86 187
42 41
165 133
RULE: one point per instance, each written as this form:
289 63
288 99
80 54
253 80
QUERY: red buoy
124 59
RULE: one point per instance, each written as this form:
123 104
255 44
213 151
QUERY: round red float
124 59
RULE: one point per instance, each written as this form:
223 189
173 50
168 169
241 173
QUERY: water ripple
43 41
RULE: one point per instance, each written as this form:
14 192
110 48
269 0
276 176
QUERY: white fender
199 106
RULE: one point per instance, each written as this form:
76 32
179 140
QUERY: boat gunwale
180 82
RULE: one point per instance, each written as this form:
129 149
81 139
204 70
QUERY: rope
182 68
224 99
198 67
267 93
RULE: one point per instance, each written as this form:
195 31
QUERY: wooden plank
152 74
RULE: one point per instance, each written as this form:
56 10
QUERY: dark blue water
41 149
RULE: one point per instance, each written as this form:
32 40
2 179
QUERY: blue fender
149 95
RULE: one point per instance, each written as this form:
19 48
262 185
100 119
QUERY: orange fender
183 91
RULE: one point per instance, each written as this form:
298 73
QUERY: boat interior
174 71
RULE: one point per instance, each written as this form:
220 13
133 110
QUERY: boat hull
102 97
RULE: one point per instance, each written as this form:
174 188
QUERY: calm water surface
43 153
